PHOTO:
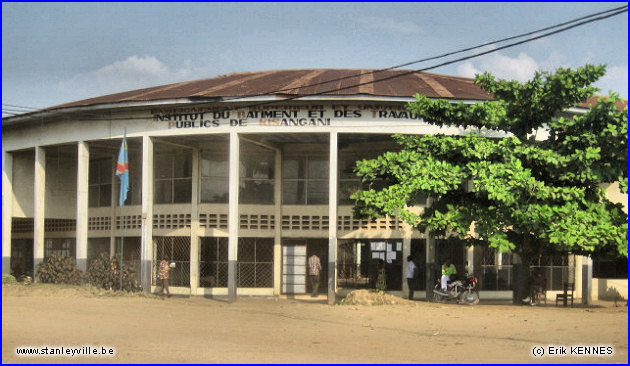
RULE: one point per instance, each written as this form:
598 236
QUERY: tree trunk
520 285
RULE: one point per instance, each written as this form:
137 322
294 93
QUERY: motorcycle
464 291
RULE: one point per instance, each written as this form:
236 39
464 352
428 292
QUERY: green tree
537 189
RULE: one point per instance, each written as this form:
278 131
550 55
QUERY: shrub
59 270
7 278
103 273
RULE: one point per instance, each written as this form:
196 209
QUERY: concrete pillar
406 252
194 224
146 240
83 168
7 209
277 244
587 280
470 259
358 257
332 219
114 235
39 206
233 216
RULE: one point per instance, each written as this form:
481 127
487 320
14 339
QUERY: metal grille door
255 262
213 264
178 250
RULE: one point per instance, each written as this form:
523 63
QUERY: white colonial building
238 179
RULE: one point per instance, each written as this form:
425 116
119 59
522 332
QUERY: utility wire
580 21
434 57
19 106
623 10
13 109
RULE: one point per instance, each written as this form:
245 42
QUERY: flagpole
122 170
122 244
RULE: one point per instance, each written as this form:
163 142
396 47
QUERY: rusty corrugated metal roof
390 83
620 103
305 82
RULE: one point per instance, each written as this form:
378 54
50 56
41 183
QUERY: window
59 247
22 257
256 177
173 178
100 182
349 183
214 177
305 180
134 195
96 247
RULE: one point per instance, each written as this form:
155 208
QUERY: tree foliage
536 189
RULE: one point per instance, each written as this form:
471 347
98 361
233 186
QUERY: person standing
163 275
411 275
314 269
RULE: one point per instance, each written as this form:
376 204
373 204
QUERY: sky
53 53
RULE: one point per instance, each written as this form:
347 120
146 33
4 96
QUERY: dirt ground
147 329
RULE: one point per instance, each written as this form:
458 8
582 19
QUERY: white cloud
521 67
467 70
616 79
390 25
135 72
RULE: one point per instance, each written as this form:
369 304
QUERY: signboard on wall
279 115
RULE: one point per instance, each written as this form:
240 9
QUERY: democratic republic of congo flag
122 170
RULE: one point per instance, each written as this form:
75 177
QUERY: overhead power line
19 106
611 12
13 109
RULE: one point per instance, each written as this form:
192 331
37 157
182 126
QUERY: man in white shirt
411 275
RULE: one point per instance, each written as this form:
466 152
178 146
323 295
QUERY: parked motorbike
463 291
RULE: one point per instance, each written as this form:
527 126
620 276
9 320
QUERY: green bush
103 273
59 270
7 278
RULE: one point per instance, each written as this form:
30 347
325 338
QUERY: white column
39 200
114 211
332 219
83 165
277 244
7 209
194 224
587 280
147 214
470 258
233 219
358 256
